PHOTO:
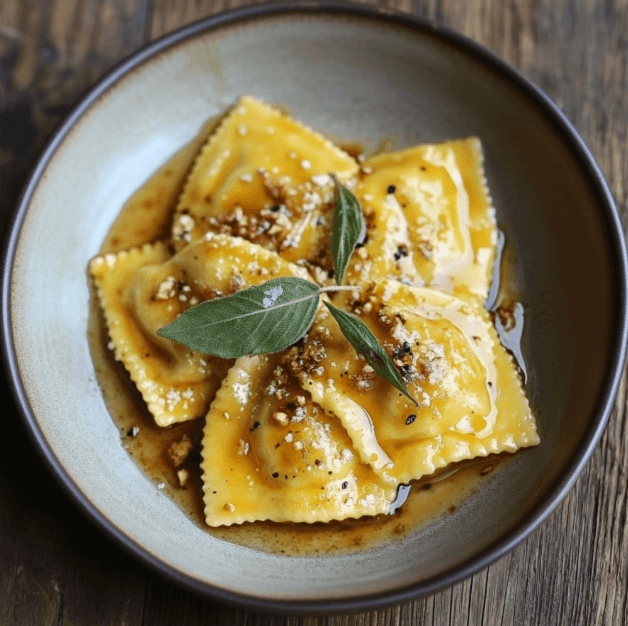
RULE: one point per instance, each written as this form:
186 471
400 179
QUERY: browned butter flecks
309 434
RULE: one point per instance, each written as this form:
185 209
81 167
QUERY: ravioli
142 290
270 453
430 218
312 433
263 176
471 402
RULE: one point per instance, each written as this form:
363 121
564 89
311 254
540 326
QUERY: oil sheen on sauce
144 218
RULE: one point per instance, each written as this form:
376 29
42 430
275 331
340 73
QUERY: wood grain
56 568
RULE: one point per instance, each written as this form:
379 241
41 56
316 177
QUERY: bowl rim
617 254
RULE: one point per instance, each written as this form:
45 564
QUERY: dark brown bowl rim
617 254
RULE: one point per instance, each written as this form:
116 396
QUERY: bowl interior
353 78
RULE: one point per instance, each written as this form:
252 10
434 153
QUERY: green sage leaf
366 344
348 228
266 318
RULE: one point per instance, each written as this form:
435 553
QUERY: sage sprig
272 316
348 229
265 318
365 343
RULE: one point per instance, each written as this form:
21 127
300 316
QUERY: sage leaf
348 228
266 318
366 344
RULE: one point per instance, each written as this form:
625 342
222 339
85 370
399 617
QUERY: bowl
354 73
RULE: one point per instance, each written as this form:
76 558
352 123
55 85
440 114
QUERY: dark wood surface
56 569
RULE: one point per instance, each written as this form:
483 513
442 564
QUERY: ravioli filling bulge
257 160
470 399
143 290
431 220
271 453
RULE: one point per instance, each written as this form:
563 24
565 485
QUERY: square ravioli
430 219
144 289
271 453
471 401
263 176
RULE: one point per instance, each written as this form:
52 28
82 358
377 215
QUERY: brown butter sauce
145 218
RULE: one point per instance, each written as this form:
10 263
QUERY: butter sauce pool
144 218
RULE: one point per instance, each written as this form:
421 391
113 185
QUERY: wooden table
55 568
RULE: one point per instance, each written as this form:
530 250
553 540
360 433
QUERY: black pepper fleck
401 252
410 419
391 189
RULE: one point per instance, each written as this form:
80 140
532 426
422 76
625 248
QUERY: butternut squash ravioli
311 433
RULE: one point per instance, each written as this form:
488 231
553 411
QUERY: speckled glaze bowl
355 74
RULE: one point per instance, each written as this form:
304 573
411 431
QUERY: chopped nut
180 450
365 379
183 475
243 447
166 289
282 418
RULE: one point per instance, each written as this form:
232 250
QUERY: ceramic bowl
355 74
